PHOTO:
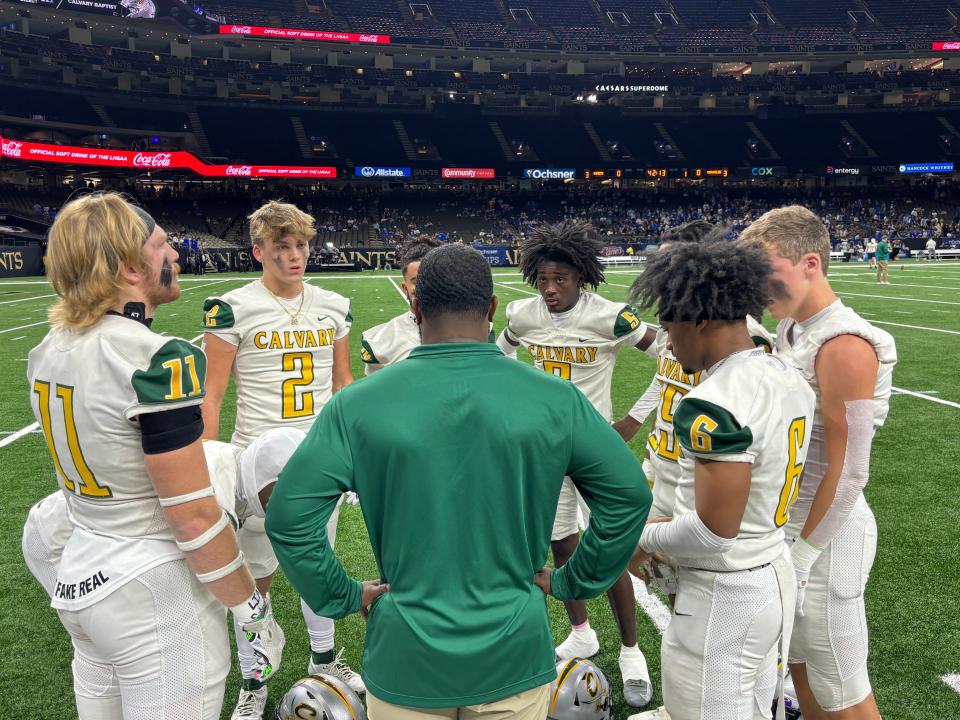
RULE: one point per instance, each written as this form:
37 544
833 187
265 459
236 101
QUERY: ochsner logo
241 29
550 174
153 160
13 148
245 170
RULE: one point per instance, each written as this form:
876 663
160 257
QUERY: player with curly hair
576 334
744 431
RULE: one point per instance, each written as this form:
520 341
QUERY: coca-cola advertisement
295 34
151 161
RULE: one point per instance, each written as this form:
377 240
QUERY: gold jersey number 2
83 483
297 404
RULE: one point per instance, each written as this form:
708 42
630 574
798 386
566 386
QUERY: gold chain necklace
294 316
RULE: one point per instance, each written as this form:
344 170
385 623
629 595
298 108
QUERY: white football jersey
392 341
750 408
674 384
283 371
799 344
87 390
389 342
582 346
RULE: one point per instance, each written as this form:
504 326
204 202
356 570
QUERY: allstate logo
368 171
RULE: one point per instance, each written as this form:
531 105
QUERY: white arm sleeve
853 477
647 403
685 536
506 346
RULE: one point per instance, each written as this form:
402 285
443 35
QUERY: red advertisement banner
468 173
946 46
175 160
294 34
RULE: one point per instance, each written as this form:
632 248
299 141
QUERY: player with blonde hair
150 558
285 342
849 364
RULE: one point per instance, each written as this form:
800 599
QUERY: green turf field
913 599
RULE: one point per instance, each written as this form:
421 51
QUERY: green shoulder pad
366 353
217 314
350 315
627 321
704 428
176 374
761 341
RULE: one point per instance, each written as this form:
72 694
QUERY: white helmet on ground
581 690
321 697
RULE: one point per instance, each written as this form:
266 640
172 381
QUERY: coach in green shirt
457 454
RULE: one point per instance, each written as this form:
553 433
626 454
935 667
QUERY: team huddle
748 513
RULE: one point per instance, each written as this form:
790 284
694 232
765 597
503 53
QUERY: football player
286 344
669 385
849 364
152 558
744 431
393 340
576 334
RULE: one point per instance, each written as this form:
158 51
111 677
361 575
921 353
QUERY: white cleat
339 669
637 688
250 705
579 644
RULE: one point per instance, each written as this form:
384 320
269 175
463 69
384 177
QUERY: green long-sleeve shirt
457 454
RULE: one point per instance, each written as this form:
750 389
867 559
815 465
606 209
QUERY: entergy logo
153 160
245 170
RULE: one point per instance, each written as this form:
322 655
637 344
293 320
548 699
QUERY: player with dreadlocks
576 334
393 340
744 431
668 386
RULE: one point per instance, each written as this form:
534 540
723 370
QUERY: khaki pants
882 271
528 705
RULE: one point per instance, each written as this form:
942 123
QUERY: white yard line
22 327
897 284
35 297
888 297
213 282
952 681
924 396
652 605
515 289
913 327
13 437
399 290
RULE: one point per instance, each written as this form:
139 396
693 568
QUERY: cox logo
245 170
13 149
368 171
763 171
153 160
